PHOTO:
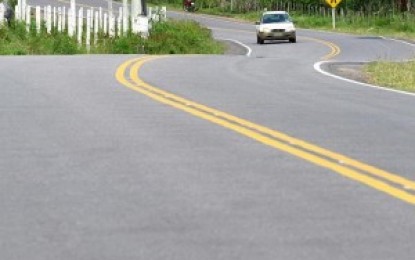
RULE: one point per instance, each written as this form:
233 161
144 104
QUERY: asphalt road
96 164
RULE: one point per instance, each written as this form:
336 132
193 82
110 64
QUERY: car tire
293 40
259 41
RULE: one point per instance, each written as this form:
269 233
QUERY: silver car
275 25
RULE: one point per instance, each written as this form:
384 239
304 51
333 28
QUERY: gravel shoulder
349 70
232 48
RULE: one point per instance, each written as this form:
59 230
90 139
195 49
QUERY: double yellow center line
334 48
389 183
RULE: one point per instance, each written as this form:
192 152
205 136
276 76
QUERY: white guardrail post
64 18
27 19
119 22
88 28
18 10
98 22
23 10
96 27
2 11
125 18
38 19
80 24
59 19
49 19
54 18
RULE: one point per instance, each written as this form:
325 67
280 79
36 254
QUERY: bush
173 37
182 37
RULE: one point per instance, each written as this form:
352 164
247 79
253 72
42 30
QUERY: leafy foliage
173 37
366 6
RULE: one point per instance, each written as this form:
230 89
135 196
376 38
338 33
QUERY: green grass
399 25
173 37
396 75
177 37
394 26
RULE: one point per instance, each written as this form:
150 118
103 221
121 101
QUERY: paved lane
93 170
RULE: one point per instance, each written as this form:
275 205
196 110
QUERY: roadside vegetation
376 17
173 37
400 76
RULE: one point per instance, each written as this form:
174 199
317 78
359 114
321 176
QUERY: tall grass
400 25
178 37
396 25
173 37
397 75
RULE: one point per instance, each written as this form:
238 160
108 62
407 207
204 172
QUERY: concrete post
70 24
136 8
38 19
2 11
112 26
149 12
119 22
45 14
72 19
49 19
54 18
105 25
155 18
134 25
80 24
18 10
91 23
100 23
110 18
88 28
28 20
163 14
23 10
143 26
96 27
59 19
64 18
125 17
109 8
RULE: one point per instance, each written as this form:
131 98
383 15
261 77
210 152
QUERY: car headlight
290 29
264 29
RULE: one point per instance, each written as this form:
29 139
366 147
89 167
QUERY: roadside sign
333 3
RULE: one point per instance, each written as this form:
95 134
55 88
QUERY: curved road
207 156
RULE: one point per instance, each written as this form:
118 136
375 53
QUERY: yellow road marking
334 48
371 176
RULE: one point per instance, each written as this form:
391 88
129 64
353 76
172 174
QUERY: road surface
256 156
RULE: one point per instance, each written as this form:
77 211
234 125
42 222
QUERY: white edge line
249 50
317 67
396 40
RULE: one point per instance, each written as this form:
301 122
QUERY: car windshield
275 18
